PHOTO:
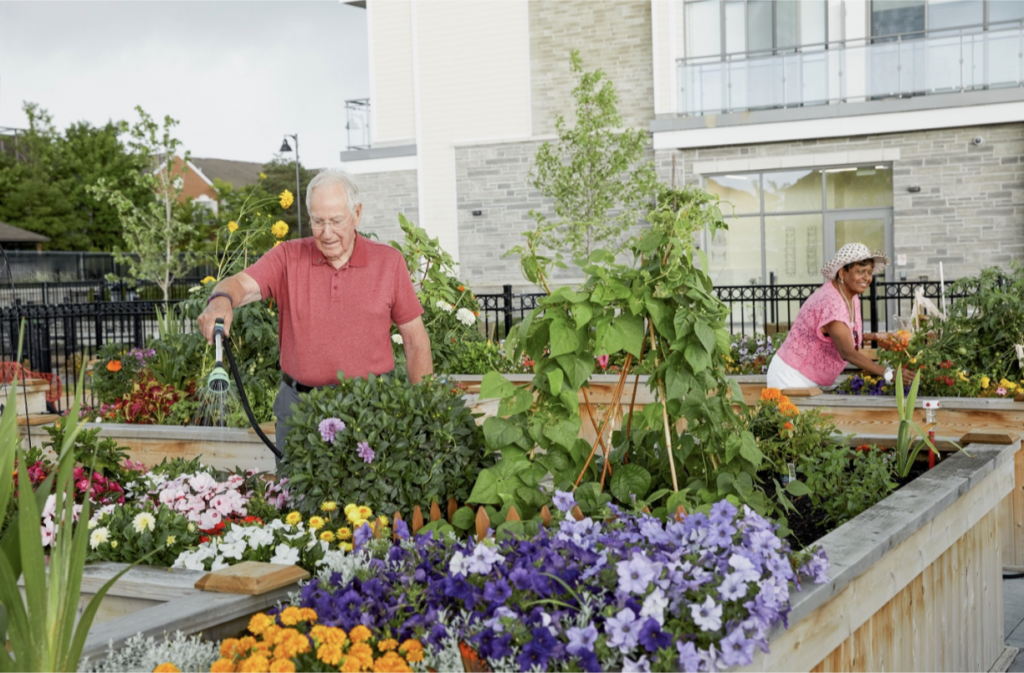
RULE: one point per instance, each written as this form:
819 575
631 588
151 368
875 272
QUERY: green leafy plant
843 482
133 531
401 445
104 455
114 373
907 445
43 629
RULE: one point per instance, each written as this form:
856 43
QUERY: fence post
46 299
873 294
506 296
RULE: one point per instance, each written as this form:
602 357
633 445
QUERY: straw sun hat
850 253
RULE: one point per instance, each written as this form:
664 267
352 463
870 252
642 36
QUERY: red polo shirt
336 320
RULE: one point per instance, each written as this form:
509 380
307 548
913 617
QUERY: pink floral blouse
809 351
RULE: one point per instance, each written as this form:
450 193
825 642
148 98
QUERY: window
782 223
716 28
899 17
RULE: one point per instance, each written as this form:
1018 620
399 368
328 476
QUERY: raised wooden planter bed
916 581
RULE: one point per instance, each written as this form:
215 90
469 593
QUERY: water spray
218 381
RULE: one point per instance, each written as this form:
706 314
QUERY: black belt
295 385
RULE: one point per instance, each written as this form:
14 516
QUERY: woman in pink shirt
828 331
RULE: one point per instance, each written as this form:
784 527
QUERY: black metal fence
754 309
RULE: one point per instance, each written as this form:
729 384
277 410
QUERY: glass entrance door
873 228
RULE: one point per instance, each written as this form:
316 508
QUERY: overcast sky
237 75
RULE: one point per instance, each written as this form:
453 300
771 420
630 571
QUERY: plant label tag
1020 355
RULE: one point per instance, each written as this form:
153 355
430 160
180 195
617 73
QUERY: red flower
946 364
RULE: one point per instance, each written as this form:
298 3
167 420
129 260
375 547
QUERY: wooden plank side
1016 538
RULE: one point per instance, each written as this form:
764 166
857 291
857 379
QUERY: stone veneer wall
384 196
614 35
969 213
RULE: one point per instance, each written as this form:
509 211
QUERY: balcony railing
907 64
357 122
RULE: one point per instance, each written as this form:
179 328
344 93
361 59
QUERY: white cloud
237 75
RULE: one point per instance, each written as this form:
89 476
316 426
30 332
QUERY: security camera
978 140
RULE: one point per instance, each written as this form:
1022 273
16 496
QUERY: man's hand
242 289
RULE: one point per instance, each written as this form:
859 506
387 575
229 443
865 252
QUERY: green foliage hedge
426 443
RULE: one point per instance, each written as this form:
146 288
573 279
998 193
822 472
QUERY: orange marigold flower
114 366
414 656
328 634
291 616
788 426
387 645
359 634
254 664
270 633
391 663
247 643
167 668
223 666
350 664
410 645
282 666
329 653
770 394
259 623
308 614
229 648
789 409
263 649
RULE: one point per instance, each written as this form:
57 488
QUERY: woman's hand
842 338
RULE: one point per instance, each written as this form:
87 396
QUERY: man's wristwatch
889 375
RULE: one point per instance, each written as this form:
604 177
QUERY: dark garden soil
808 525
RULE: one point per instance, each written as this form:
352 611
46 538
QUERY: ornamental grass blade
33 568
19 636
912 398
9 442
899 395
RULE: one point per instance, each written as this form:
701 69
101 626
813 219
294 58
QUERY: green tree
164 242
594 174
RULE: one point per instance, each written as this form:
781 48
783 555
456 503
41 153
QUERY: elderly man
337 294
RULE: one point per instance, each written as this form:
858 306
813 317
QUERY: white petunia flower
98 537
285 555
397 338
143 521
465 316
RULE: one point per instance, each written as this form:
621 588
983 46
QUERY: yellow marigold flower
985 381
327 536
383 522
770 394
223 666
167 668
277 244
286 199
329 653
350 664
232 226
293 518
254 664
263 176
359 634
344 533
316 522
329 506
290 616
387 645
364 512
208 279
282 666
279 229
259 623
349 508
345 546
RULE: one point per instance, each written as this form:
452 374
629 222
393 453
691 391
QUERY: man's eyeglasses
337 223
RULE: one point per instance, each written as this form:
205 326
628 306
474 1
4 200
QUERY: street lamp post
285 147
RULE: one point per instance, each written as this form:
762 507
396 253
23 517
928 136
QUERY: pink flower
365 452
1001 391
602 361
329 427
209 519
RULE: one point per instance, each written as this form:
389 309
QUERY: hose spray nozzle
218 380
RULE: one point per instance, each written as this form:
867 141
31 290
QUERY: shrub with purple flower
633 593
329 429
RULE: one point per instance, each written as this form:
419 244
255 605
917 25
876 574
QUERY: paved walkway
1013 619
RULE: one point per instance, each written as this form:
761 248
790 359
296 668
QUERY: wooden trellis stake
545 516
513 515
435 511
452 508
483 522
417 519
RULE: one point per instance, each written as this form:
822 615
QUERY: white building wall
392 104
472 69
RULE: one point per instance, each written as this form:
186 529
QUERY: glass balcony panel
1001 56
943 63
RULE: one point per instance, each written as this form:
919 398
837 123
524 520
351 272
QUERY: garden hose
218 379
219 328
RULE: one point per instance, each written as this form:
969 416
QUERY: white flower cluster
48 526
397 338
444 306
276 538
466 317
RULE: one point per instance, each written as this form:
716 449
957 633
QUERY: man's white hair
334 176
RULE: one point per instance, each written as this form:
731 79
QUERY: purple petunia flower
733 587
636 574
817 567
365 452
401 530
707 615
497 591
329 428
581 639
722 512
652 637
623 630
362 535
737 649
564 501
689 660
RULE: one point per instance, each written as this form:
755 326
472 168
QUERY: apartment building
898 123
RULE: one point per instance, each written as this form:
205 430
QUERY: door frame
884 214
